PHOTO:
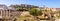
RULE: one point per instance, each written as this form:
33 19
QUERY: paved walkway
57 20
25 13
44 20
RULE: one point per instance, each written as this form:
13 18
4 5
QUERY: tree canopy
35 12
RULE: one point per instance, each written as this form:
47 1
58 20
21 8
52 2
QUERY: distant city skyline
48 3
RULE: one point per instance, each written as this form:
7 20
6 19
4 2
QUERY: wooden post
9 15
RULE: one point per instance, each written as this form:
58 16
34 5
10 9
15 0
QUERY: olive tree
59 13
35 12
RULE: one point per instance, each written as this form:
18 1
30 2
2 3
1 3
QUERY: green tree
35 12
59 13
35 7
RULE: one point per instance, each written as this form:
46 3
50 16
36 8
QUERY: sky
47 3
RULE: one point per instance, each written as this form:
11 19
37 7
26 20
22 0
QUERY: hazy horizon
48 3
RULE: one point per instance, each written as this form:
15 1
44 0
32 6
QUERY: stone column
1 13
